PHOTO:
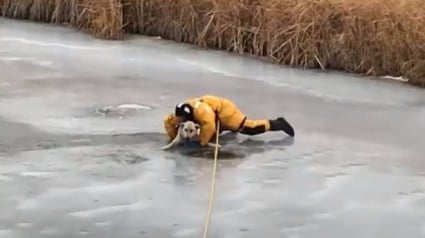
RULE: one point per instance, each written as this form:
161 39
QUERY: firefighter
209 109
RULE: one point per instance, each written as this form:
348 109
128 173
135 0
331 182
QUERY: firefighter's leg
233 119
255 127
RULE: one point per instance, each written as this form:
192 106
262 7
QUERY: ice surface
81 132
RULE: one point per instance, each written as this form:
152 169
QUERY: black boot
281 124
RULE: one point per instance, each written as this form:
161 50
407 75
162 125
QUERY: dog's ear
197 126
181 125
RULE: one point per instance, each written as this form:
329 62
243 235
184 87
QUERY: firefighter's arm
170 125
208 127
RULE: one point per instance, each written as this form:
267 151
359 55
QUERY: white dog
187 131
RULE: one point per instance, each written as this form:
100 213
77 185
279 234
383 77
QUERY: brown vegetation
374 37
102 18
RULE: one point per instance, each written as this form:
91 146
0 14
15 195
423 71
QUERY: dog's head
189 130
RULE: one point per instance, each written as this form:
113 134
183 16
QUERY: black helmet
184 110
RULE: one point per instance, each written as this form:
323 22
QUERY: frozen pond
81 132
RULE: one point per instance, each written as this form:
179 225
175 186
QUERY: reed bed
371 37
374 37
102 18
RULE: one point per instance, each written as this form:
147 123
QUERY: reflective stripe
207 107
197 104
187 110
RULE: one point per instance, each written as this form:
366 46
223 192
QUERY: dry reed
373 37
18 9
103 18
220 24
64 11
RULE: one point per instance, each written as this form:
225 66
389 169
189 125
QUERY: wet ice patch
245 207
127 158
409 198
134 106
111 209
4 178
43 76
28 205
101 224
296 226
24 224
36 174
121 111
35 61
53 44
209 154
6 233
83 232
208 67
49 231
332 182
85 140
185 232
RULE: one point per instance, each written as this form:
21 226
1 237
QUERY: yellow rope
207 222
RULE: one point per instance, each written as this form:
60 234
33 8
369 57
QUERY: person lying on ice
204 111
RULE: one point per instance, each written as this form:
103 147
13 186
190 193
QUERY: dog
187 131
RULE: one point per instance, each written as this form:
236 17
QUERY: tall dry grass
103 18
372 37
221 24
